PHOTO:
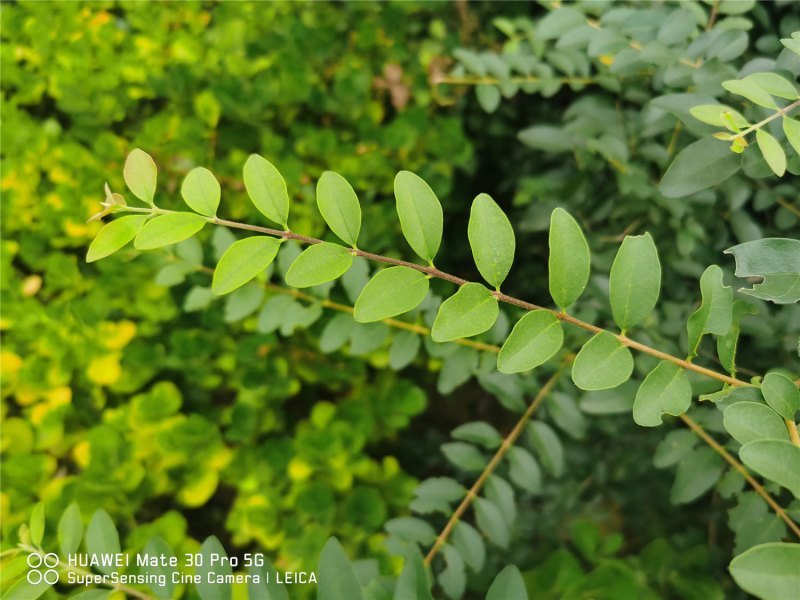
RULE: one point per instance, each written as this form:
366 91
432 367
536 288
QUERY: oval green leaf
391 292
508 584
716 311
319 264
534 340
777 460
791 127
700 165
666 389
267 189
206 588
548 447
635 281
338 204
420 214
201 191
768 571
114 235
772 152
168 229
242 261
781 394
102 538
473 309
491 238
751 421
36 524
140 175
336 577
70 529
602 363
570 259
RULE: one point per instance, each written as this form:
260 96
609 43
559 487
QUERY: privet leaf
602 363
242 261
70 529
268 588
205 588
750 90
491 521
114 235
338 205
413 581
158 547
548 447
470 544
524 471
336 577
319 264
771 151
390 292
635 281
168 229
727 344
140 175
700 165
570 260
773 84
791 127
102 538
777 260
666 389
420 214
491 238
781 394
697 473
411 529
751 421
453 577
473 309
36 524
478 432
716 311
777 460
535 339
507 585
768 571
267 189
201 191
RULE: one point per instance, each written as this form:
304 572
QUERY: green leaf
777 460
267 189
777 260
548 447
700 165
102 538
750 90
404 349
338 204
556 23
413 581
201 191
716 311
768 571
473 309
524 471
488 97
719 115
168 229
411 529
420 214
389 293
602 363
470 545
697 473
36 524
751 421
140 175
267 588
635 281
478 432
773 84
570 260
535 339
242 261
772 152
24 590
666 389
464 456
158 547
70 529
491 521
114 235
453 578
791 127
319 264
781 394
336 578
207 590
491 238
508 585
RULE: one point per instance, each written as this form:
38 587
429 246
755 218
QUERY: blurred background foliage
273 422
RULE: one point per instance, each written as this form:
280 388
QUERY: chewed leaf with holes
776 262
716 311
